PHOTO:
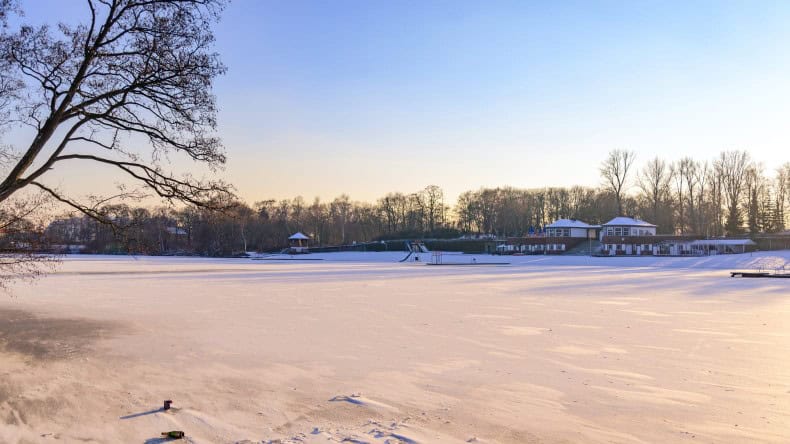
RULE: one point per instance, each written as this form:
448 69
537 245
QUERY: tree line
729 195
263 226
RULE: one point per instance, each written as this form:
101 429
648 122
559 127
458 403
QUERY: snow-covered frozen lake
359 346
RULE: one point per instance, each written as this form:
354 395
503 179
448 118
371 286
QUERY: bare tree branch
141 67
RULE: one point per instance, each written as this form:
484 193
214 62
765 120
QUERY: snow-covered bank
758 260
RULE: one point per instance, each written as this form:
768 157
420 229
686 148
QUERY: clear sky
366 97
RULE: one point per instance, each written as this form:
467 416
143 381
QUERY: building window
622 231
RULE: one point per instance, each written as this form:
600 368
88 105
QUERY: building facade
571 228
627 226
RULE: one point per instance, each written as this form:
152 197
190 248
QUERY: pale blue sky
366 97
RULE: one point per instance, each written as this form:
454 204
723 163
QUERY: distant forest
729 195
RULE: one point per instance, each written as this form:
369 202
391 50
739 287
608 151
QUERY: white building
626 226
722 246
571 228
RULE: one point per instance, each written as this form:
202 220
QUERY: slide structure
414 247
407 257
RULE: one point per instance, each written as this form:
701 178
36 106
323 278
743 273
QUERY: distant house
634 237
571 228
629 236
620 236
650 245
558 237
627 226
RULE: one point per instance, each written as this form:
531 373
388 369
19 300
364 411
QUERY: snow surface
746 261
358 347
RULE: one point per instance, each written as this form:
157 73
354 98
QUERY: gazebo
298 243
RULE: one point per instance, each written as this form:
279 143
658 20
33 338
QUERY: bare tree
317 225
243 216
466 212
755 186
716 188
732 168
137 70
614 171
125 89
700 177
434 200
688 172
678 172
340 209
654 182
9 86
298 211
782 195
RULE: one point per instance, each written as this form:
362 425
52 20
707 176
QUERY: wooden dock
758 274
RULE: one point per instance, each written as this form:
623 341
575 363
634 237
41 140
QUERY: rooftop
724 242
629 221
570 223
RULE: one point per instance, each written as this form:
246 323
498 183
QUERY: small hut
298 243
